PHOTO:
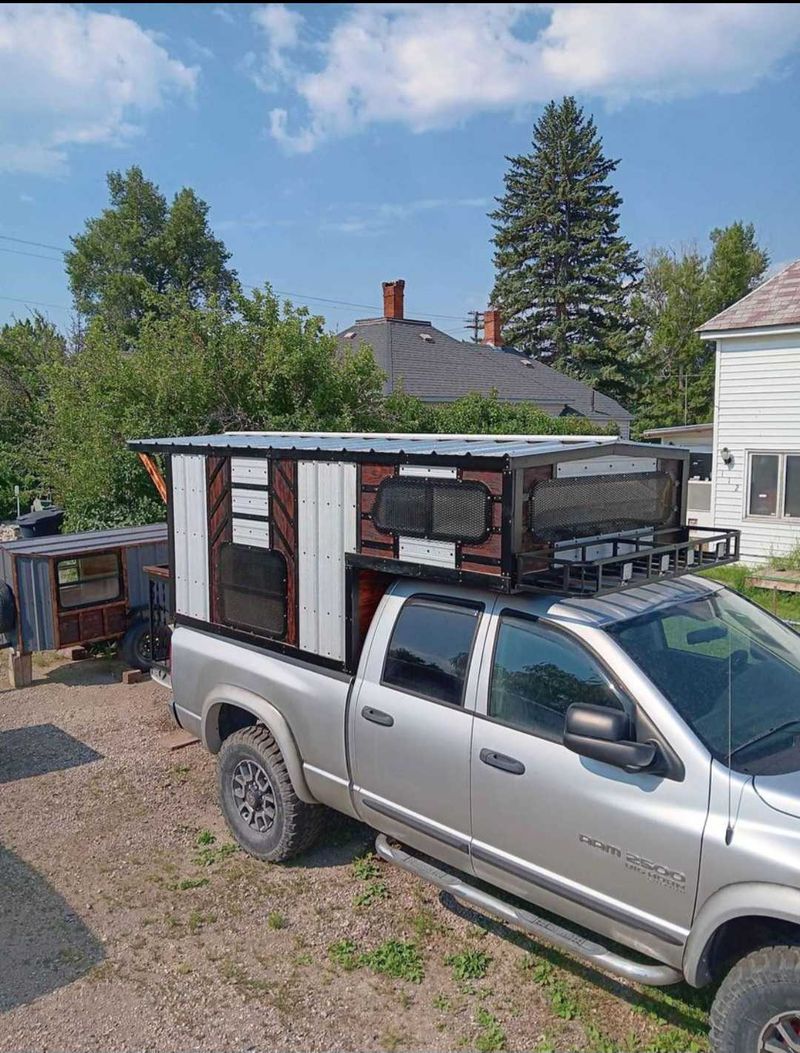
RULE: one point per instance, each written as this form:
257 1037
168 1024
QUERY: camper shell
289 540
69 589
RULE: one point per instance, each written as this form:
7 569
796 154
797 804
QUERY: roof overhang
764 330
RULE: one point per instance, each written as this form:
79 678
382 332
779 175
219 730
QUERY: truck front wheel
757 1007
264 814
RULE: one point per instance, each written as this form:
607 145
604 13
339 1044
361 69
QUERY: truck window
430 649
90 580
538 673
253 589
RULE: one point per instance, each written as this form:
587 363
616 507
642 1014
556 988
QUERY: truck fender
747 899
266 714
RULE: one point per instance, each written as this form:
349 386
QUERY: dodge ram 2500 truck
630 763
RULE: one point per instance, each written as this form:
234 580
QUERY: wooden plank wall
220 530
283 533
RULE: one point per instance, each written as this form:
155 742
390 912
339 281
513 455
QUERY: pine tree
564 272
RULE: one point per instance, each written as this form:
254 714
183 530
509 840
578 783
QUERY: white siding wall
757 408
326 530
190 521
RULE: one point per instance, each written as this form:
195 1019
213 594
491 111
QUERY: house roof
88 541
436 367
655 433
776 302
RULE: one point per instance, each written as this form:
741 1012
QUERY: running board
656 975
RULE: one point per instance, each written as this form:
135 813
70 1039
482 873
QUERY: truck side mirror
604 734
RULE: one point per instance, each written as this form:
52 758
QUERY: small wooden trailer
73 589
288 540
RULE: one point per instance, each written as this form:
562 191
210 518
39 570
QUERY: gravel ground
129 921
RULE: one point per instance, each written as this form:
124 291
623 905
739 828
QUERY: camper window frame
76 557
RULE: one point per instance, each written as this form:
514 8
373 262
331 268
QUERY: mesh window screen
561 509
252 589
438 509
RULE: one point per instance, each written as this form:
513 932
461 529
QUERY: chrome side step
656 974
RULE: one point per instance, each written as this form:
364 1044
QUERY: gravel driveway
129 921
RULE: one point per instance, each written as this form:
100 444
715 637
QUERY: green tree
193 371
142 245
736 266
564 271
27 349
479 414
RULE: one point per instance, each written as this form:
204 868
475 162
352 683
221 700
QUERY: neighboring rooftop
436 367
679 429
774 303
88 541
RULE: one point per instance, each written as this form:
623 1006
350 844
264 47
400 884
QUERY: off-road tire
760 987
296 825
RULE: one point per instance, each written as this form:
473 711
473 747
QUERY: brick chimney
492 326
393 298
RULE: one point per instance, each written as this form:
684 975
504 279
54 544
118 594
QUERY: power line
34 255
36 303
36 244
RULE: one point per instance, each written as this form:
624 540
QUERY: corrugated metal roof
403 446
88 541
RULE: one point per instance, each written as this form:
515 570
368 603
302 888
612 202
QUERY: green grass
189 883
469 965
373 892
491 1036
784 604
396 958
211 854
344 953
276 920
366 868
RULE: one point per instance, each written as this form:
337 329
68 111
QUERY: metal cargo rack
633 560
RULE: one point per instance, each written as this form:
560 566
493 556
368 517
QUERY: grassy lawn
785 604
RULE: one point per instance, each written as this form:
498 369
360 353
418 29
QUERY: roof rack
630 558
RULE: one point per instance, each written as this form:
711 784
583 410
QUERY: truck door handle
377 716
501 761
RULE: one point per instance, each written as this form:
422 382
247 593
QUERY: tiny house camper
288 540
70 589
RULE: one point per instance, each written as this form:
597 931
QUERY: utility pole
474 322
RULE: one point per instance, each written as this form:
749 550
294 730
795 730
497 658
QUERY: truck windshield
718 655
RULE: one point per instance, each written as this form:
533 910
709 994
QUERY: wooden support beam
152 470
20 669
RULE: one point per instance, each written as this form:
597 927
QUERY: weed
598 1041
304 959
392 1040
541 972
491 1036
209 855
374 892
424 923
396 958
365 868
469 965
276 920
197 921
189 883
180 773
443 1003
205 837
562 1002
344 953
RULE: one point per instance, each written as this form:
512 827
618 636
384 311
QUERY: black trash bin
41 524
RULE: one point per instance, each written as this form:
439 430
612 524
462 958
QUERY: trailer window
87 581
253 589
438 509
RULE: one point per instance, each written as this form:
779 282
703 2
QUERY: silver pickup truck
629 763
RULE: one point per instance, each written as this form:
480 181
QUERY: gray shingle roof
436 367
776 302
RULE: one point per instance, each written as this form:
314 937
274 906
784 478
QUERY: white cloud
431 65
73 76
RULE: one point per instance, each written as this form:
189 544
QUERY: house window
253 588
774 485
88 581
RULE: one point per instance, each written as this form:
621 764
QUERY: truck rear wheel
757 1007
264 814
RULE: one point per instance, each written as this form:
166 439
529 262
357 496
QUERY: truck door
614 851
411 721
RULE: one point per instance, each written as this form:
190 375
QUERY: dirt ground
129 921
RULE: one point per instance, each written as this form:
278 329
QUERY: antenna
474 321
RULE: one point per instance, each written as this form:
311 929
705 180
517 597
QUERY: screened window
88 581
430 649
538 673
774 485
439 509
253 589
763 484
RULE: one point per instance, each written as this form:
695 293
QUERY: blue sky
342 145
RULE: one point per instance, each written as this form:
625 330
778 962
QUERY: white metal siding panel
605 466
757 409
250 532
421 550
326 530
190 520
250 470
250 502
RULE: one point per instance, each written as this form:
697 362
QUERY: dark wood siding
218 477
283 533
371 541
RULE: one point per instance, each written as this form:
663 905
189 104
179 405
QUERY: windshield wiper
763 735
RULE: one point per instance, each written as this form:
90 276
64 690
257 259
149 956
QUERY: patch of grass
491 1036
189 883
366 868
276 920
442 1003
562 1001
179 773
344 953
424 923
469 965
396 958
598 1042
392 1040
374 892
205 837
197 921
210 854
783 604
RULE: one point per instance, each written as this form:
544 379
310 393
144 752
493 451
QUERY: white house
699 440
756 444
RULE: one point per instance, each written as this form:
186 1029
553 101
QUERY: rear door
616 851
411 721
